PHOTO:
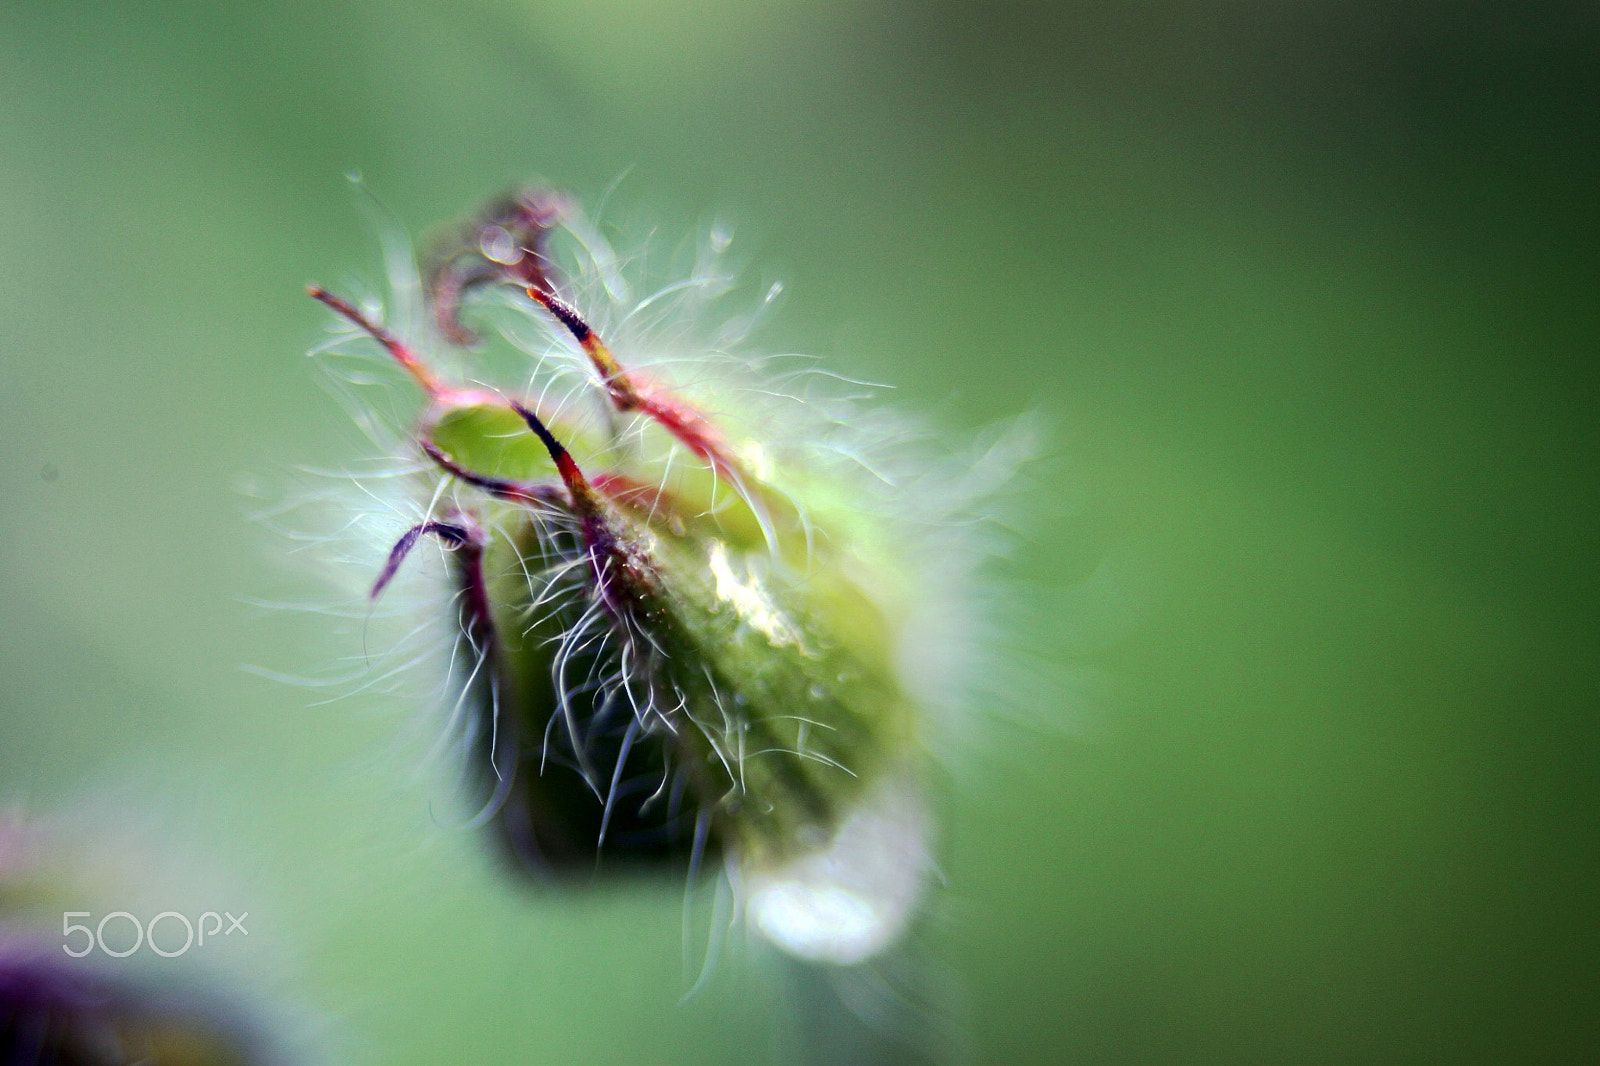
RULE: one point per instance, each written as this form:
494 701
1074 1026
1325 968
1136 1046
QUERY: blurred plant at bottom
67 999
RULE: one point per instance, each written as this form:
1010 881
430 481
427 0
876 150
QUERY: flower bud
682 612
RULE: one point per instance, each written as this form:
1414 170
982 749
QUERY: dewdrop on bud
683 616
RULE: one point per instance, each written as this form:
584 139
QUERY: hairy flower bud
683 612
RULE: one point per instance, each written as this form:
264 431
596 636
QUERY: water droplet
497 245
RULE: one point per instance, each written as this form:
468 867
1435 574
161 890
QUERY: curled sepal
504 243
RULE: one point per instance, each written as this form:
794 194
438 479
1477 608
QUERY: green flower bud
683 624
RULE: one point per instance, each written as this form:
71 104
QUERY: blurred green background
1308 293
